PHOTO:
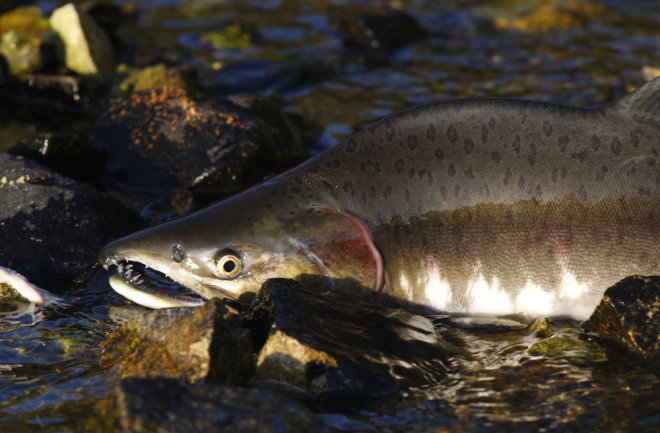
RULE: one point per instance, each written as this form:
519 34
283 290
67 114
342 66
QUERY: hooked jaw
140 278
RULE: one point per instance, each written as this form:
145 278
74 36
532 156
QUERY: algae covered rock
630 314
85 48
192 344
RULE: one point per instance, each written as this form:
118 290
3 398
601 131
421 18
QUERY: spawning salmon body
468 206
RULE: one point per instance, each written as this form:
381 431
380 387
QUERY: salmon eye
227 262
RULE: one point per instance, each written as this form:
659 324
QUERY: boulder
208 343
171 406
162 139
630 315
52 226
326 348
84 46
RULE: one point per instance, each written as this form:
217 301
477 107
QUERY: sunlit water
49 378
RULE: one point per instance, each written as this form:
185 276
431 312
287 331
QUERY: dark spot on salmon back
439 154
581 156
616 146
468 173
582 193
390 131
351 145
495 157
484 133
516 144
507 176
451 170
555 175
430 133
412 142
398 165
451 133
443 191
547 128
411 172
563 143
595 143
348 188
387 192
521 182
468 146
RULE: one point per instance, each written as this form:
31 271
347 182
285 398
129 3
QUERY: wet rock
378 36
630 314
335 350
51 226
67 154
22 54
164 139
84 47
170 406
192 344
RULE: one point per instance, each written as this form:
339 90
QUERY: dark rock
163 139
206 343
170 406
67 154
51 226
630 313
377 36
339 351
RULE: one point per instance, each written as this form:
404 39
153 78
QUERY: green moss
233 36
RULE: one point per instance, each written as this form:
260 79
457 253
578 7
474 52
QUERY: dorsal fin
644 103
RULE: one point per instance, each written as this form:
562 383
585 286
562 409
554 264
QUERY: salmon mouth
135 277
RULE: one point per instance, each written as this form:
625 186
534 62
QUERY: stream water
315 57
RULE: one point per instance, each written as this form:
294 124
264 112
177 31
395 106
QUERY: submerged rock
52 226
327 348
192 344
85 47
170 406
630 314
